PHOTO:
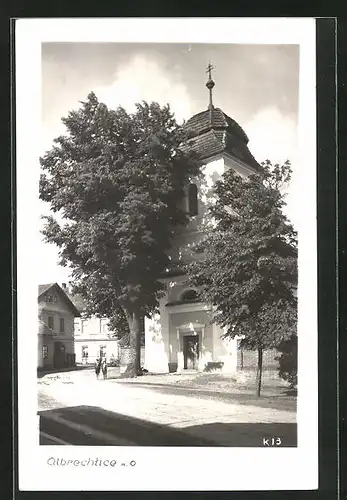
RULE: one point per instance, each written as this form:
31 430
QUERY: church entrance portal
191 352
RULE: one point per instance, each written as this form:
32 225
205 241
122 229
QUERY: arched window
192 199
189 296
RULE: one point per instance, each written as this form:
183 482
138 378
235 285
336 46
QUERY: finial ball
210 84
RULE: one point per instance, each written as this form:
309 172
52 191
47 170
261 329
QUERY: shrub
113 361
288 361
213 366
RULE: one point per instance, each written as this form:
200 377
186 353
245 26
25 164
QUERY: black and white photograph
166 253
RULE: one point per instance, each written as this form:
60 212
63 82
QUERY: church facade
182 336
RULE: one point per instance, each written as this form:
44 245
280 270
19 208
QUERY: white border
163 468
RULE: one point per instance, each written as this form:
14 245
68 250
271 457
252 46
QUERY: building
181 336
92 336
56 314
93 339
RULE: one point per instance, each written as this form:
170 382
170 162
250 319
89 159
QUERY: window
84 325
62 325
50 322
192 199
44 352
85 352
104 325
102 351
189 296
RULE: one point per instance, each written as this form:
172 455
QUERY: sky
257 85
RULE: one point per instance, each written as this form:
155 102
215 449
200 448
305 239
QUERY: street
75 409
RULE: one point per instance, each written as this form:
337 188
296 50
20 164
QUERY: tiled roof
44 288
78 301
200 123
214 142
223 135
241 151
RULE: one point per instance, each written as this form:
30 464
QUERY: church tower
182 337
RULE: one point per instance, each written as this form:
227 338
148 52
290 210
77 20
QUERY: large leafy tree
115 180
247 267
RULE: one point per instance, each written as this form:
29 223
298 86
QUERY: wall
248 360
93 348
89 327
48 341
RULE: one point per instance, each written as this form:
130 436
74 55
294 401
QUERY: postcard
166 254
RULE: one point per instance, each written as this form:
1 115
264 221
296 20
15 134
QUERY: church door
191 352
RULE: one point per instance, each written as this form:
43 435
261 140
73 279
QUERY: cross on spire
210 84
208 70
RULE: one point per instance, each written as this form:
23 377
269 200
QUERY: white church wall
162 340
157 340
225 350
176 287
212 172
194 231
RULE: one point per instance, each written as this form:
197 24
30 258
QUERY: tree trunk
134 364
259 370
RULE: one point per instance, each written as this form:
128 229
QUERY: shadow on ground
279 401
144 433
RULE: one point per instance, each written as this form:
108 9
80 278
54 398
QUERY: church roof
200 123
212 132
221 134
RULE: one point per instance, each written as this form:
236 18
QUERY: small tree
247 268
117 180
288 361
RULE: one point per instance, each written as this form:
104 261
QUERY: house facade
92 335
182 336
93 339
56 314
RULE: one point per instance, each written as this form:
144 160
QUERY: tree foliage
247 265
116 180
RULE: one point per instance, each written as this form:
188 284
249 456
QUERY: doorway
59 355
191 352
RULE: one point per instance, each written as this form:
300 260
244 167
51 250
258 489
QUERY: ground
206 409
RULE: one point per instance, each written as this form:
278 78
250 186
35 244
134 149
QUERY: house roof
222 135
44 288
78 301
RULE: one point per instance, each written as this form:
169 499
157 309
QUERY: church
182 337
